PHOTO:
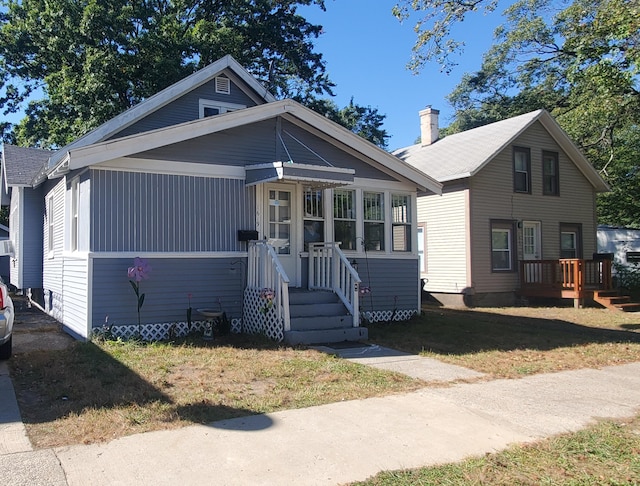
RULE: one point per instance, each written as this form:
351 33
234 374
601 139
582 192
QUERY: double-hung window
521 169
344 218
502 246
401 222
51 225
570 240
550 176
373 206
313 216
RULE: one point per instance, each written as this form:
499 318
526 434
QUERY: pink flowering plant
136 274
268 296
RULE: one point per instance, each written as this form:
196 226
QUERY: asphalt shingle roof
22 165
463 154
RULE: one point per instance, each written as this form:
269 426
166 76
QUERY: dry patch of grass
95 392
606 453
515 342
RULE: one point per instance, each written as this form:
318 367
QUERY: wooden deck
570 278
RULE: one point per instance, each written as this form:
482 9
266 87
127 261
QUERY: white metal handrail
329 269
264 271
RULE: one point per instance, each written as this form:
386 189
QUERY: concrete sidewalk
351 440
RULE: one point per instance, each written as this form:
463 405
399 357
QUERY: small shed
623 243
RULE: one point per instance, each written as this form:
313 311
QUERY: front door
282 227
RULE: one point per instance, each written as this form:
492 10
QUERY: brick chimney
429 131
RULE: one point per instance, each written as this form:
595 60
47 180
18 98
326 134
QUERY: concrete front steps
319 317
612 299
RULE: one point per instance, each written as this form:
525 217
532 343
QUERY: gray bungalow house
262 209
517 215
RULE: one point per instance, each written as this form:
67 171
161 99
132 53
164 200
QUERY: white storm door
532 250
282 228
531 240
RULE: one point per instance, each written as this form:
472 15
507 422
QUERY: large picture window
522 169
502 246
373 205
401 222
344 218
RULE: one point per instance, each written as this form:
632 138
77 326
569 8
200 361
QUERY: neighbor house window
422 247
633 257
521 169
373 207
401 223
502 246
51 225
313 211
212 108
550 176
344 218
570 240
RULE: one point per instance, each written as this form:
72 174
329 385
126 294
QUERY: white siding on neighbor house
446 240
15 218
492 197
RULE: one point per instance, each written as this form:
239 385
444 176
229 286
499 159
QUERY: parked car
6 321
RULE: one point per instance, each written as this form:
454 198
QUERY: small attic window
223 85
213 107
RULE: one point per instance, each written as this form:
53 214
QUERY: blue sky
366 50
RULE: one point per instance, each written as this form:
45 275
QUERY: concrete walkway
340 442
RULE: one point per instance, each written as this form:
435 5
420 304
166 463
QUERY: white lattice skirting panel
385 316
260 318
164 330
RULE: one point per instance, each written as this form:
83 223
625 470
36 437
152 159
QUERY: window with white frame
344 218
401 222
212 107
75 202
422 247
313 210
502 246
51 225
373 208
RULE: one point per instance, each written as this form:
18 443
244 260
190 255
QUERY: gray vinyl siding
32 239
208 280
394 283
53 261
492 197
168 213
75 297
446 219
259 143
186 108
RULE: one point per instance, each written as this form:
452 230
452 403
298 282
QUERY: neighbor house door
532 250
282 227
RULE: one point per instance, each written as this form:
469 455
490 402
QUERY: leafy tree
578 60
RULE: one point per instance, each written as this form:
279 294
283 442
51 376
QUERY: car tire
5 349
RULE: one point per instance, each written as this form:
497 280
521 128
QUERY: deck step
629 307
613 299
310 323
323 309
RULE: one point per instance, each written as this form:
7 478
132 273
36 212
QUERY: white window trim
51 226
220 105
74 215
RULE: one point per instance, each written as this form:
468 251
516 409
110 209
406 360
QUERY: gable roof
463 154
21 166
160 99
83 156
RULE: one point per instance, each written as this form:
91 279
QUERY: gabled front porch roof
288 109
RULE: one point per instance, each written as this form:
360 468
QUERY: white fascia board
296 165
161 99
366 148
171 167
133 144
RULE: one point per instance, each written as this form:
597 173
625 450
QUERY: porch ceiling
316 176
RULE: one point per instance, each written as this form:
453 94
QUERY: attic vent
223 85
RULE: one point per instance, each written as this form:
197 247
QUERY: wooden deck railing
566 278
